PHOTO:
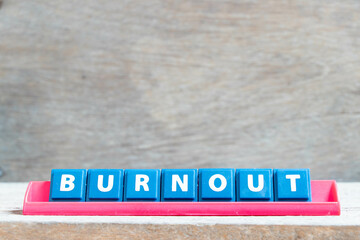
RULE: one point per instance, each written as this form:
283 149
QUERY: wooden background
179 84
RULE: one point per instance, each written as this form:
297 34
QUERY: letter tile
217 184
179 185
105 185
68 185
292 185
254 185
142 185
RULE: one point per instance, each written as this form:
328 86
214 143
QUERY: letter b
67 183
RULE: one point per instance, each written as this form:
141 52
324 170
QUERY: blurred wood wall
179 84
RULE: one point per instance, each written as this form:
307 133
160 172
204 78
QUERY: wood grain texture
14 225
114 231
179 84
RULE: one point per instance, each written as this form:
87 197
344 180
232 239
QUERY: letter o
212 181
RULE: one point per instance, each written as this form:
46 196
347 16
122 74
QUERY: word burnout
182 185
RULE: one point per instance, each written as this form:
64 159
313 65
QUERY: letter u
101 183
251 183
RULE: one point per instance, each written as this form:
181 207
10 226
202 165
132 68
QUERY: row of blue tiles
180 185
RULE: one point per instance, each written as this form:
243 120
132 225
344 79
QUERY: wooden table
13 225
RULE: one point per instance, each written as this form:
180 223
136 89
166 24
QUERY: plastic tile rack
325 202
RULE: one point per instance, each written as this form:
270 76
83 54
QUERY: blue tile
217 184
68 185
104 185
254 185
179 185
292 185
142 185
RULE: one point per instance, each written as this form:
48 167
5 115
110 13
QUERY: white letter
182 185
101 182
293 181
67 183
141 180
251 183
212 181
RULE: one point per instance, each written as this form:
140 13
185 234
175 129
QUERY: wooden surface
179 84
13 225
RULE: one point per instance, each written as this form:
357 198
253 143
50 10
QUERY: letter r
141 180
